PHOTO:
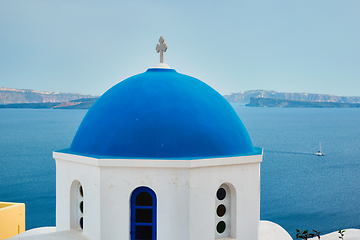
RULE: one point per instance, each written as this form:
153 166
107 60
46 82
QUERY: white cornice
157 163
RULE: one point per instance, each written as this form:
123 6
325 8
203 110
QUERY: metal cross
161 48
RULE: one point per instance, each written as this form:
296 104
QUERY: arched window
223 212
143 214
77 205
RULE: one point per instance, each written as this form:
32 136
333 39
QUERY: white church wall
205 182
185 191
172 192
89 176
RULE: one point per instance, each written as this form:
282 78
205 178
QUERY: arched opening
143 214
76 205
225 211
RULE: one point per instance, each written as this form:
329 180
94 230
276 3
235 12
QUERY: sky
88 46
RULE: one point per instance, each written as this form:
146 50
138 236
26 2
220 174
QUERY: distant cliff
83 103
11 95
270 102
245 96
16 98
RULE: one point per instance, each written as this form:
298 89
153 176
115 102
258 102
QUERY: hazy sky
88 46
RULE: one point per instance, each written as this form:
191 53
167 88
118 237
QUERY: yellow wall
12 219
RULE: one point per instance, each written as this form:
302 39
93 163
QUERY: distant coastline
245 96
82 103
25 98
271 102
86 103
12 95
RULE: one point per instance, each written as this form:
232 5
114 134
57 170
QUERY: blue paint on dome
162 114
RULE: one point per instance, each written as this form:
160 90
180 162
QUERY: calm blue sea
298 189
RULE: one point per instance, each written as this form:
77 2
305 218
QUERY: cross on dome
161 48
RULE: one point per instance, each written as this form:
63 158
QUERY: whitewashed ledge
272 231
49 233
267 231
350 234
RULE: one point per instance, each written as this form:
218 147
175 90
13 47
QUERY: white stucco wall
204 182
170 186
271 231
185 190
89 177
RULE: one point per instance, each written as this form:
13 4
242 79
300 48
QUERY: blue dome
162 114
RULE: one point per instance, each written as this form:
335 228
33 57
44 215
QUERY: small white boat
319 153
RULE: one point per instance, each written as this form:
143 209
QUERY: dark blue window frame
134 207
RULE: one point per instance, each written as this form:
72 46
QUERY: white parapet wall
185 191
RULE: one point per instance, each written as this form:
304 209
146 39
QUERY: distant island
24 98
271 102
82 103
12 95
244 97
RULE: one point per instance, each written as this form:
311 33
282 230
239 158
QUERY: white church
160 156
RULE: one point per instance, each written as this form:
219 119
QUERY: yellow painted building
12 219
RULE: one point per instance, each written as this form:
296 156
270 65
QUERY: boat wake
288 152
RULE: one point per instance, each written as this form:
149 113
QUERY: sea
298 189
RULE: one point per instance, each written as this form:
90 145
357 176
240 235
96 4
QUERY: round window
82 207
221 193
81 191
81 223
221 210
221 226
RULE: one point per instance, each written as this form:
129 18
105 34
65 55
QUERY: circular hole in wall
221 210
220 228
221 193
82 207
81 191
82 225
